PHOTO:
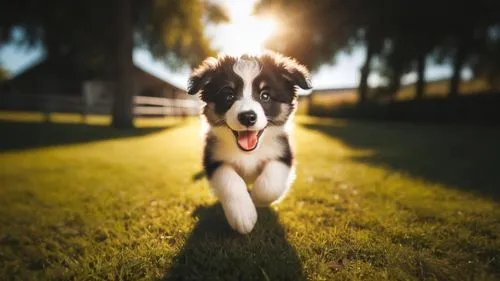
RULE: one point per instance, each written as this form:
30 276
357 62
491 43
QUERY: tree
374 20
123 105
308 31
487 65
373 43
403 34
315 31
466 34
421 66
414 34
79 33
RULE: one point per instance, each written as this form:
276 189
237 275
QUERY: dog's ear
291 70
297 74
201 75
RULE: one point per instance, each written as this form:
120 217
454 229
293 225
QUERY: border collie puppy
248 104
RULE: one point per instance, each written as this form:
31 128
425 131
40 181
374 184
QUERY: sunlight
251 34
245 33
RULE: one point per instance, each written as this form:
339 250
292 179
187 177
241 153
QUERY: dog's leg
272 184
232 192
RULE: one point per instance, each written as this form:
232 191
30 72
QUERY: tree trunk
395 82
365 72
123 96
420 87
458 64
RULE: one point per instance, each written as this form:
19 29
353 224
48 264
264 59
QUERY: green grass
372 201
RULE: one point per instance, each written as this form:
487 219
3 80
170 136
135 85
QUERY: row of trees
98 37
401 34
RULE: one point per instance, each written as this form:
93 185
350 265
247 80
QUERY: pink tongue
247 139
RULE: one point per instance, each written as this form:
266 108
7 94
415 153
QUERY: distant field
372 201
441 89
433 89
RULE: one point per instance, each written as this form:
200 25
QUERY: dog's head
248 93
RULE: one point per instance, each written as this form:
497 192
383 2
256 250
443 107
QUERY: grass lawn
372 201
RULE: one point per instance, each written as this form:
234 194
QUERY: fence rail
143 106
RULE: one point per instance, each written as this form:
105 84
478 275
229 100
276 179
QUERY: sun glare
252 34
245 33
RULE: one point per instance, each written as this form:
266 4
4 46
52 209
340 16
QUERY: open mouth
247 140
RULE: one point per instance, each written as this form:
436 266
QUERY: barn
58 86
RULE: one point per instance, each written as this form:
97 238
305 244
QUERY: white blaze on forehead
247 69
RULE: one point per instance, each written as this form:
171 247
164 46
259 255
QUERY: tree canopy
402 34
84 30
96 38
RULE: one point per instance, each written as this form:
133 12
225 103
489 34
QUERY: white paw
264 194
272 184
241 214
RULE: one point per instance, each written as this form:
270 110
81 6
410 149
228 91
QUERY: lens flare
247 34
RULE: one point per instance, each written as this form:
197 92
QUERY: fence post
84 108
47 108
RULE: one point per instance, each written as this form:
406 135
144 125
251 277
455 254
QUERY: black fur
287 157
209 164
289 69
208 72
216 80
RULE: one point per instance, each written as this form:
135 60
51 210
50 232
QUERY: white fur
271 178
248 70
232 192
272 184
247 164
229 182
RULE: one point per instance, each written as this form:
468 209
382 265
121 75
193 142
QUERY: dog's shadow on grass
214 251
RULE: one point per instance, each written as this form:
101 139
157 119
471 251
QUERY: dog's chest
248 167
249 164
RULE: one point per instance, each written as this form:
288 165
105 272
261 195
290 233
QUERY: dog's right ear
201 75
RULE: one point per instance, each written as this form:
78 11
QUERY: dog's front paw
264 195
272 184
241 214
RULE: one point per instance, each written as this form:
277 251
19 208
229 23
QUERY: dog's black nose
247 118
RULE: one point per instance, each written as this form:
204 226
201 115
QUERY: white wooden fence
166 107
143 106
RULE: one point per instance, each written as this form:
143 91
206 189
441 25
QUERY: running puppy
248 103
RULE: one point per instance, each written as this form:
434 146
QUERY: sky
244 33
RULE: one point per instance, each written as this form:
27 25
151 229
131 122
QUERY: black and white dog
248 104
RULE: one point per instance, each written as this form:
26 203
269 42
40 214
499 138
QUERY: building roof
69 75
150 76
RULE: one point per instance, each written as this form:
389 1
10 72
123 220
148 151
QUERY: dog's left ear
289 69
201 75
296 73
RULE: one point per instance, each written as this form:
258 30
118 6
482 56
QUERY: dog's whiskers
272 121
220 122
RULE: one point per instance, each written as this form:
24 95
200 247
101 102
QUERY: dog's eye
229 98
264 95
228 94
